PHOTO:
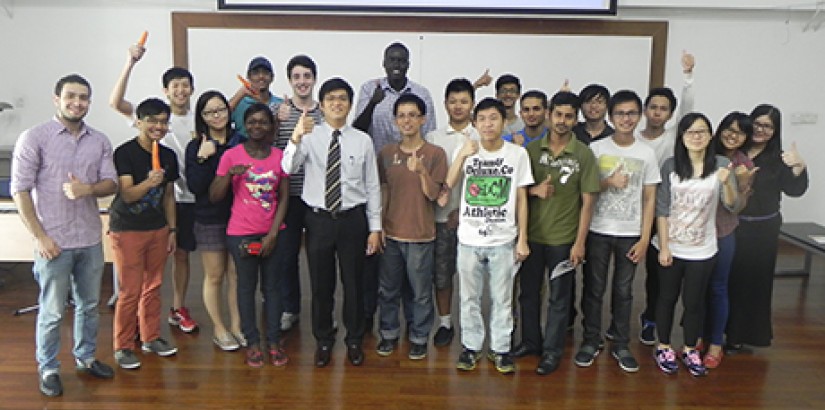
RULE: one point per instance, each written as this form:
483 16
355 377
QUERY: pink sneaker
278 356
180 317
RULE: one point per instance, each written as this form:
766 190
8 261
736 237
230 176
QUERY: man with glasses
59 169
594 110
620 228
659 108
412 173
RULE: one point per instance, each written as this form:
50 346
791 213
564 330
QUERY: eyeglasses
732 133
215 112
407 116
763 125
628 114
697 133
333 98
155 121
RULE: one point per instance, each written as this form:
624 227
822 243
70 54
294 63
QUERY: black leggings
690 278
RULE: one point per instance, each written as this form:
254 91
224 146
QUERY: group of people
514 194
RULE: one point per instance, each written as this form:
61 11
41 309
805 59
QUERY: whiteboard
542 62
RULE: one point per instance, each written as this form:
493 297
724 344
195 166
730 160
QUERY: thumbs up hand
283 109
724 173
484 80
544 189
415 163
207 148
75 189
619 178
794 160
304 126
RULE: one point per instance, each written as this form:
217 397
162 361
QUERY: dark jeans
599 249
718 307
531 277
343 238
293 233
651 280
270 270
690 278
411 264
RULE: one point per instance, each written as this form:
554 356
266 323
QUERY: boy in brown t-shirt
412 172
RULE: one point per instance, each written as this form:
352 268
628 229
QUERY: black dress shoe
97 369
51 385
524 349
548 364
355 355
322 356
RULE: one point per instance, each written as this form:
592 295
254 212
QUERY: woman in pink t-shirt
253 171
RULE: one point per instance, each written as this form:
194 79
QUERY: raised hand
470 147
688 62
618 178
484 80
378 94
565 86
744 177
207 148
136 52
724 173
283 109
304 126
415 163
793 159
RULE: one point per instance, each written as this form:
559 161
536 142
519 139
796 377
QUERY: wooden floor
789 375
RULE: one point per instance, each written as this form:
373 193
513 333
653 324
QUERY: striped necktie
332 196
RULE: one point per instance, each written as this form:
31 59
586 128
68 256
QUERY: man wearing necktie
344 214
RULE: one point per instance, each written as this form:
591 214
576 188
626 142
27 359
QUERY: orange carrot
155 156
247 84
142 40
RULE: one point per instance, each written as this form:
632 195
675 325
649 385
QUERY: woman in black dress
757 237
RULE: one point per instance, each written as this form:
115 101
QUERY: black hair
410 98
303 61
74 79
662 92
508 79
682 165
397 44
535 94
592 91
565 98
459 85
775 143
152 106
621 97
490 102
334 84
177 72
201 128
745 125
256 108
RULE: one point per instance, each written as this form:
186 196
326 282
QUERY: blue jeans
293 237
716 318
270 270
599 250
495 265
409 262
77 270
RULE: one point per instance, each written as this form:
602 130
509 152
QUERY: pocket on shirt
352 167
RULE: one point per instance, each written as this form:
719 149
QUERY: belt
337 214
760 218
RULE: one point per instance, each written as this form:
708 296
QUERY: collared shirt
383 129
43 158
285 128
527 139
580 130
359 170
450 140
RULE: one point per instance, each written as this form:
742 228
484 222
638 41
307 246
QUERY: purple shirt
44 156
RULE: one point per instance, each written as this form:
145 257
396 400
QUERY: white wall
742 59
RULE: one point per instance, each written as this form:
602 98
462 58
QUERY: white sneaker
288 320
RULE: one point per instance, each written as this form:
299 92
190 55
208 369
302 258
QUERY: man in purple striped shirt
59 169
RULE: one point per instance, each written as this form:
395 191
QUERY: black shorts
186 226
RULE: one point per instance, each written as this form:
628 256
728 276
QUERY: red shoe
278 356
713 361
180 317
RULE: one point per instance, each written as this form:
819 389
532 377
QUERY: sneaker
503 361
160 347
467 359
180 318
586 355
254 358
95 368
418 351
126 359
278 356
626 360
288 320
386 347
239 337
693 362
666 360
648 333
227 343
443 336
50 385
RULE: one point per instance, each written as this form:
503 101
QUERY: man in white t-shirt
493 177
178 86
620 228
